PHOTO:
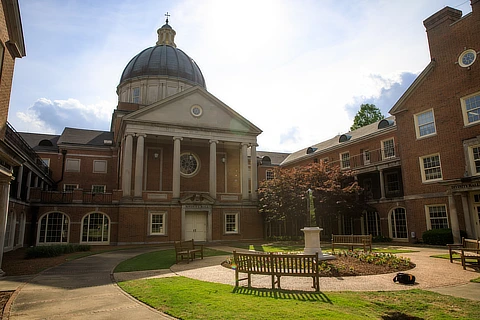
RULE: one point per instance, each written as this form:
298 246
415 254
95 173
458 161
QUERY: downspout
64 153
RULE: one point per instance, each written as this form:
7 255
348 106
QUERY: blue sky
299 70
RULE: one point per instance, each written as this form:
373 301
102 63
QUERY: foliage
54 250
381 238
334 191
440 236
367 114
379 259
185 298
162 259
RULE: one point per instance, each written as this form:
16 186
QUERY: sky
297 69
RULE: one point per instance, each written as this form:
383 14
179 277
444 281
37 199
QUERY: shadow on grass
399 316
283 294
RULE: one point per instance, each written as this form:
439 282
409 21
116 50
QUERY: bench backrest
351 238
281 264
184 245
470 244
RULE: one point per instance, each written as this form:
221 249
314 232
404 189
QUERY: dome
164 60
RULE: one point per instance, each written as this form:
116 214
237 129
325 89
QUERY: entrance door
196 226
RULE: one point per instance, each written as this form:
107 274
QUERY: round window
189 164
467 58
196 110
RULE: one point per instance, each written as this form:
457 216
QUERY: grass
286 246
162 259
186 298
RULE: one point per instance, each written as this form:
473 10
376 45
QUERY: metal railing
16 140
90 197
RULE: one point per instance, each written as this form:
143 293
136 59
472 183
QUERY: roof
333 143
275 157
34 139
163 61
74 136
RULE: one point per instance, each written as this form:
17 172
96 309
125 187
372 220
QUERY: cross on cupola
166 35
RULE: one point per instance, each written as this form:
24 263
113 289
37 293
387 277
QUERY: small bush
54 250
381 238
437 236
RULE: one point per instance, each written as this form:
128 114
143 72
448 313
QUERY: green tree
367 114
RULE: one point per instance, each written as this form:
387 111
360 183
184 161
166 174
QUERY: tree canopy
333 191
367 114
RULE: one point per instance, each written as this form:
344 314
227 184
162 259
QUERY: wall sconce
223 159
190 157
155 155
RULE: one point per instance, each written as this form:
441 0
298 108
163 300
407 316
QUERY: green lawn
162 259
186 298
288 246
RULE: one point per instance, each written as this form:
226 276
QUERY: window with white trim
366 156
471 109
345 160
53 228
270 174
136 95
72 165
231 223
388 149
96 228
392 182
372 223
474 155
157 223
69 187
98 188
46 161
431 168
398 223
100 166
425 124
436 216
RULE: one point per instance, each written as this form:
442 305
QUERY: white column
382 185
127 166
244 171
176 167
253 176
139 159
454 220
4 192
29 183
19 181
213 169
466 214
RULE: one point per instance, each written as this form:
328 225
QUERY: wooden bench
457 248
468 249
352 240
276 266
187 249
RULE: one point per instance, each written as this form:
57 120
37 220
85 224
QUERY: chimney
446 16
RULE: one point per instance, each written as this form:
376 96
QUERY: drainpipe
64 153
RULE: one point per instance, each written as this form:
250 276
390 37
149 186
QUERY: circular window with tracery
189 164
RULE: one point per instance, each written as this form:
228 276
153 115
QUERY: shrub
440 236
381 238
54 250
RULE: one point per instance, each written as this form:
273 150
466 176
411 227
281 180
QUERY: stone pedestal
312 243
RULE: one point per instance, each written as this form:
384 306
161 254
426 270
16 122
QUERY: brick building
420 168
175 164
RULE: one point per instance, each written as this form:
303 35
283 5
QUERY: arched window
53 228
398 223
96 228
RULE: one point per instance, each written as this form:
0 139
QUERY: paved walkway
86 288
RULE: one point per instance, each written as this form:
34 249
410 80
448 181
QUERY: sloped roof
34 139
275 157
334 143
74 136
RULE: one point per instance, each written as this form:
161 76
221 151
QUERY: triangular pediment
197 199
193 108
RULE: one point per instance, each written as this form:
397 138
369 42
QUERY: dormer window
385 123
344 138
311 150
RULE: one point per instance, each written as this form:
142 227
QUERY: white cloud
47 116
